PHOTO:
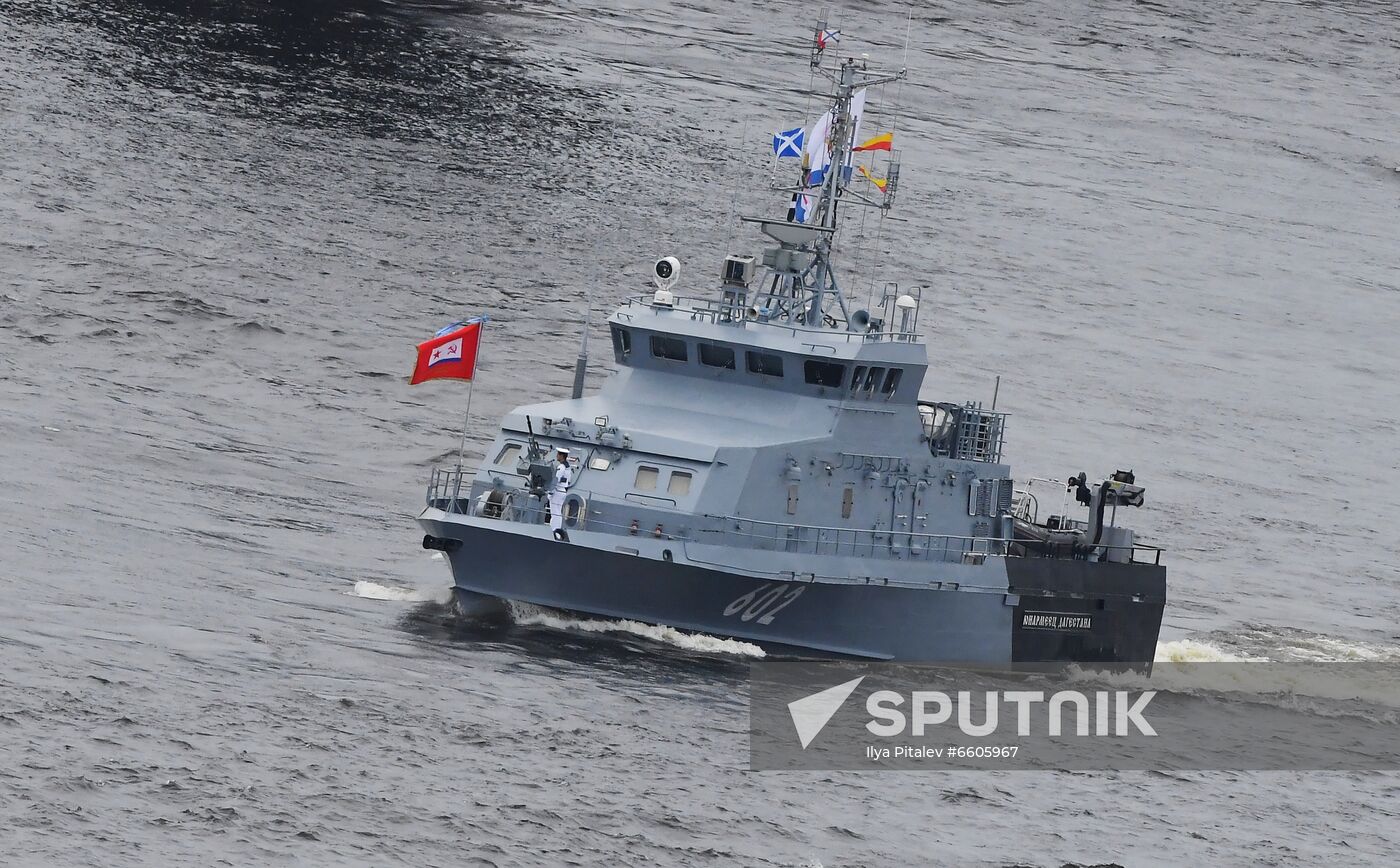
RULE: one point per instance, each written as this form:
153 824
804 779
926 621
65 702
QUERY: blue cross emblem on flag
788 143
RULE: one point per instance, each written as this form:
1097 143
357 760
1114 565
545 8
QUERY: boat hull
1014 610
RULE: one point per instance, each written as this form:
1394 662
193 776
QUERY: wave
375 591
1286 668
528 615
1268 644
1300 645
1319 689
1196 651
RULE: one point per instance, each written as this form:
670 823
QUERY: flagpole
462 449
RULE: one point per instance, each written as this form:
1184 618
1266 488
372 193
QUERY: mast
851 77
803 276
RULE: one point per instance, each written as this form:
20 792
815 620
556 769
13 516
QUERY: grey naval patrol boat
760 466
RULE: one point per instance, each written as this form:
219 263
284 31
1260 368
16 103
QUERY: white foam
374 591
1326 649
1278 646
535 616
1184 667
1282 685
1195 651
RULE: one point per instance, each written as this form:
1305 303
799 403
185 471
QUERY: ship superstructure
761 466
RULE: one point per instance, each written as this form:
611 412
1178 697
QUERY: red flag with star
449 355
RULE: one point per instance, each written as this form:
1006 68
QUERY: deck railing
450 489
709 310
820 540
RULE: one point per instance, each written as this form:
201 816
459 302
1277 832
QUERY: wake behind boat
760 466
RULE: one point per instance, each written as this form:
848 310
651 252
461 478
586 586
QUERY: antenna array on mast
801 274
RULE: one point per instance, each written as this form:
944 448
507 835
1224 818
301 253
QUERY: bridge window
622 343
646 478
819 373
716 357
768 364
508 454
891 380
858 378
679 484
872 379
667 347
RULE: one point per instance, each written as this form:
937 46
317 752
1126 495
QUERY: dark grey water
1171 227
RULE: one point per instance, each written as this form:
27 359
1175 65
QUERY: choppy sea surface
1169 226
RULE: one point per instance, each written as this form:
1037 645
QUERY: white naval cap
562 451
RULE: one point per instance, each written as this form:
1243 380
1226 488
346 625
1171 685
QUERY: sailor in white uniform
563 478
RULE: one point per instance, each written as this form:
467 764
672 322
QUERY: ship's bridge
728 344
705 410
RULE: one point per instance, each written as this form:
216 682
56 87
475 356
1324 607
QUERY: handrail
991 544
445 492
708 308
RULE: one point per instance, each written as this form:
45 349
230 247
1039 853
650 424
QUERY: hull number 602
764 602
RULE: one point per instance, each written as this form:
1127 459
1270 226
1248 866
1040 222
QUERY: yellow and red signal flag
878 182
882 142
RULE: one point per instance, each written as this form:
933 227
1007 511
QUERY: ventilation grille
990 497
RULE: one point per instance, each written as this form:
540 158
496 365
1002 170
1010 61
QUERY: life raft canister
575 510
